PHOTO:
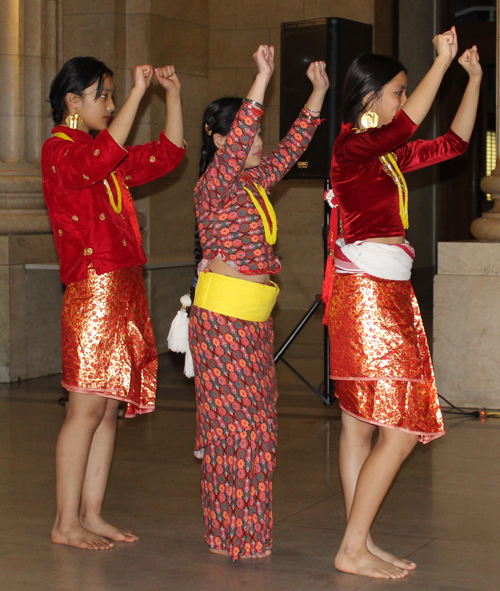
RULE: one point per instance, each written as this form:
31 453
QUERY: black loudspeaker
337 42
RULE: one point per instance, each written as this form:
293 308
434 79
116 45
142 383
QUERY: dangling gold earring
74 121
369 119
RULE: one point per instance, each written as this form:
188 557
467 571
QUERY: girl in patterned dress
231 333
379 352
108 347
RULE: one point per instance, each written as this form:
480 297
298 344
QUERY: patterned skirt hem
133 407
422 437
238 556
378 378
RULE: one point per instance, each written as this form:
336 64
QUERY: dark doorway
461 199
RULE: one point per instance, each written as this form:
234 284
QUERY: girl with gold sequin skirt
231 330
379 353
108 347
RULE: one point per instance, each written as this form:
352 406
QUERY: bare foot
263 554
79 537
394 560
96 524
364 563
221 552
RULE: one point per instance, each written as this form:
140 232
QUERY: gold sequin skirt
379 355
108 345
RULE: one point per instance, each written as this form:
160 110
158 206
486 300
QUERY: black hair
75 76
218 118
368 73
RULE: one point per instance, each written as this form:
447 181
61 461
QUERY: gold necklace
117 208
392 169
270 234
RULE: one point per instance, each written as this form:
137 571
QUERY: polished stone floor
443 510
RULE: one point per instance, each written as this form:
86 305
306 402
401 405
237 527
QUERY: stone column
487 227
28 300
28 62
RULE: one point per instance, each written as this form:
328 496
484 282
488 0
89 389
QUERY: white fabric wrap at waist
387 261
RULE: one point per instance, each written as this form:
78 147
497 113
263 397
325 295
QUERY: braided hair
75 76
218 118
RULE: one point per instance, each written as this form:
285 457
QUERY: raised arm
316 72
121 125
274 166
174 128
264 58
463 123
420 101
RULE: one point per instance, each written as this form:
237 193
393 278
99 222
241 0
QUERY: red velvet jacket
366 195
86 227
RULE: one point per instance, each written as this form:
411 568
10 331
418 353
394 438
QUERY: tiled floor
443 511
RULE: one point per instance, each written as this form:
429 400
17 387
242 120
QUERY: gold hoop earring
74 121
369 119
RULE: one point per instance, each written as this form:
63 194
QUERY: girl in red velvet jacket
108 347
379 353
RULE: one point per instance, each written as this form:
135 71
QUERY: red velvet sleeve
274 166
357 148
422 153
82 164
150 161
229 161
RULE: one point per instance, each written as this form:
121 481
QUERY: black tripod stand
326 393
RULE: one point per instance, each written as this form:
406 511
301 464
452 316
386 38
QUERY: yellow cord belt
117 207
271 234
392 169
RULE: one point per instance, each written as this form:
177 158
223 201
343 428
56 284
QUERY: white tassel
188 365
178 336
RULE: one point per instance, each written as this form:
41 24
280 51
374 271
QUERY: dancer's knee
397 442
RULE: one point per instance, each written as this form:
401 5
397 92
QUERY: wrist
443 61
262 77
136 93
475 78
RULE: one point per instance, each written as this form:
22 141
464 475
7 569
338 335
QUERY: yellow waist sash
238 298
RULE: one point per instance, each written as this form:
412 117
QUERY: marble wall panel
18 336
257 14
193 95
194 11
357 10
90 34
88 6
133 40
299 208
10 134
43 323
221 82
222 14
4 323
234 48
172 220
469 258
466 328
185 44
10 74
